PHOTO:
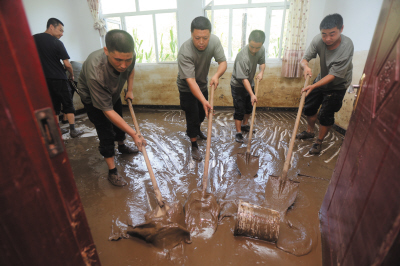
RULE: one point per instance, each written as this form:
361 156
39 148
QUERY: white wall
80 39
315 17
187 11
359 19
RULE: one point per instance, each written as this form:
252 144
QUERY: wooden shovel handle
209 129
296 126
252 118
146 158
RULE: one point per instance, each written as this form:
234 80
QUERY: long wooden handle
296 126
146 158
209 129
252 119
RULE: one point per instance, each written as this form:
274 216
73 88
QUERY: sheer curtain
99 24
296 36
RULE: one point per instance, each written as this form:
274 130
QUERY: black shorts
241 102
330 102
60 93
72 90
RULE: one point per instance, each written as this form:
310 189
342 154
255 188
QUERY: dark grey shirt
193 63
336 62
245 66
99 83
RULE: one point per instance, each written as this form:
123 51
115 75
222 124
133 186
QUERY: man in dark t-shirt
51 50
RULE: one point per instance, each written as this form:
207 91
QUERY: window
113 23
233 20
152 24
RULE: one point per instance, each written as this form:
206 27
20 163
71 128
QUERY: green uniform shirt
193 63
245 66
99 83
336 62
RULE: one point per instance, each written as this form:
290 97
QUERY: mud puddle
112 211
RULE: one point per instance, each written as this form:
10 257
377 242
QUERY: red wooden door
360 214
42 221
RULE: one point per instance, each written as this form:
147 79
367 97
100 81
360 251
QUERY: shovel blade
280 195
248 164
201 214
164 231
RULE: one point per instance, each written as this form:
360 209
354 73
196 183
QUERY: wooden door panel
381 222
41 216
387 78
360 213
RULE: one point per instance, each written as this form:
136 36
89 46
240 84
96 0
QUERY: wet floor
112 211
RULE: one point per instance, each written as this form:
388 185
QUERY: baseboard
340 129
171 107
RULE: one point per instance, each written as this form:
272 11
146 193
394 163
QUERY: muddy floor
111 210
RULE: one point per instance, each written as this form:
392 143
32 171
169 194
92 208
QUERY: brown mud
113 211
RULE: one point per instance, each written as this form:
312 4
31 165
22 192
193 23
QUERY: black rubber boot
75 133
305 135
246 128
202 136
124 149
116 179
196 154
239 137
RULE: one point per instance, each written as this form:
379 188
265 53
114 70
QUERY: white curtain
296 36
99 24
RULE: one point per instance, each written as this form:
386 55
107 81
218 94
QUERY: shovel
280 192
202 209
162 208
247 163
165 225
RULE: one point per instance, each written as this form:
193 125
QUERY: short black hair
119 40
257 36
331 21
53 21
200 23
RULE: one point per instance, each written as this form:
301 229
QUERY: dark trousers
107 132
241 102
194 112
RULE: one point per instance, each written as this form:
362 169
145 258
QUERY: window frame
153 13
267 27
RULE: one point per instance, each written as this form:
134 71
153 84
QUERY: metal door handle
49 129
359 87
